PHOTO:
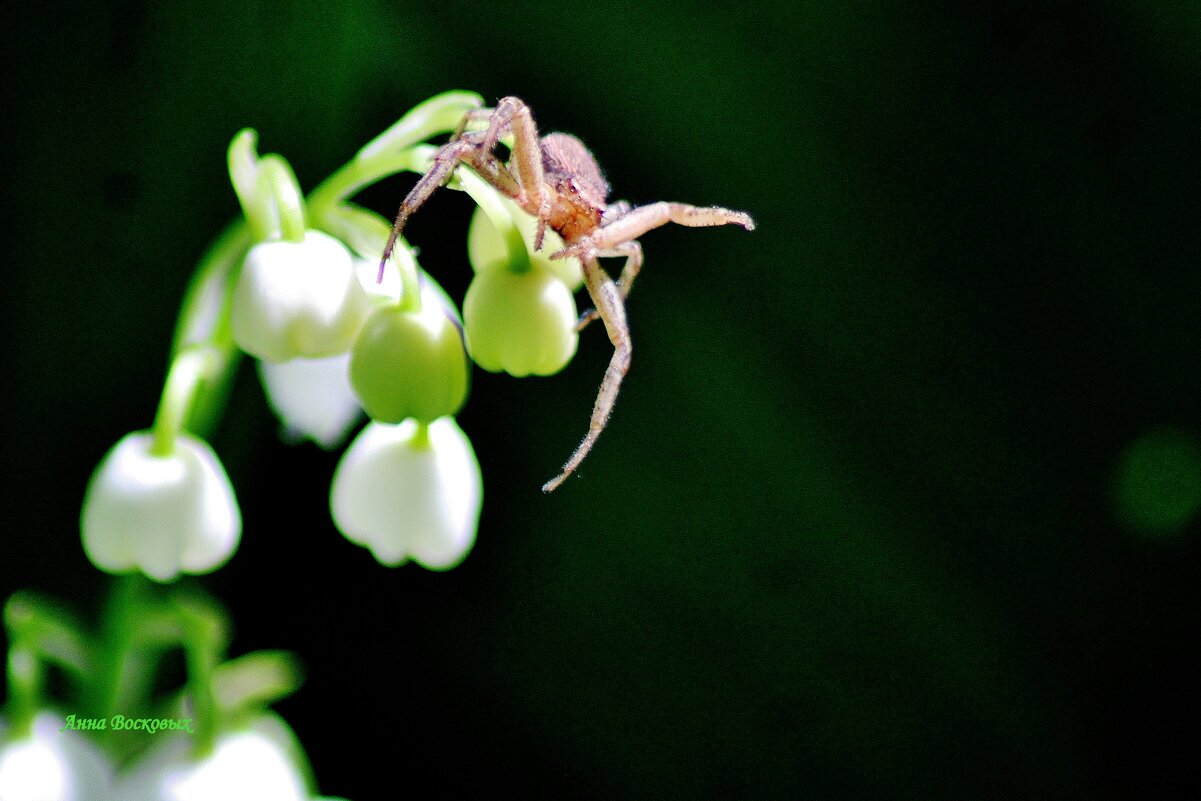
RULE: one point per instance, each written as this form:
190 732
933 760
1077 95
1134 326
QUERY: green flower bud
410 364
521 323
486 247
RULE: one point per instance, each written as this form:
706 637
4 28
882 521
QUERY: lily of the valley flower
312 398
262 762
409 491
52 765
162 515
298 299
523 323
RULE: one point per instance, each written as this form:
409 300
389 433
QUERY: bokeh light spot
1158 486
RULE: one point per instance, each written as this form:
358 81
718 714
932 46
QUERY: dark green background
852 531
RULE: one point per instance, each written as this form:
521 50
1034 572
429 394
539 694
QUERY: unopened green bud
520 323
410 364
486 247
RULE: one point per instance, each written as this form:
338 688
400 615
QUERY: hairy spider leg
638 221
633 253
614 211
513 114
474 148
607 298
471 116
463 150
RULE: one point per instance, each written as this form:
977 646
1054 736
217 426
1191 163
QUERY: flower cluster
257 761
218 742
296 284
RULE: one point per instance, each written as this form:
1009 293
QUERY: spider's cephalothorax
556 180
579 189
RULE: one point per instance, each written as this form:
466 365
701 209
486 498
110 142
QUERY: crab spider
556 180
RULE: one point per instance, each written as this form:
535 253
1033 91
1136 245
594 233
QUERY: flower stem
203 353
502 220
243 161
189 369
38 633
440 114
362 172
421 436
410 286
277 180
203 642
113 686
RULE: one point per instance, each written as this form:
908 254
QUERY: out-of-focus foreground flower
52 765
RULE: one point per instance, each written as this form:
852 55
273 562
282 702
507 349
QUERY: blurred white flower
312 398
405 495
52 765
161 515
298 299
261 762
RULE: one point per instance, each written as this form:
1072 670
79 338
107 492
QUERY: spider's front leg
463 149
638 221
512 113
612 311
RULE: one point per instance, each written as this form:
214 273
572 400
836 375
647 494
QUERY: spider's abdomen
565 161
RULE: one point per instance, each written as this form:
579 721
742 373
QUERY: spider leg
526 159
607 298
472 116
633 253
638 221
615 211
465 149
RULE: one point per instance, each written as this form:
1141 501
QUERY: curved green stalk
360 173
243 162
38 634
440 114
489 202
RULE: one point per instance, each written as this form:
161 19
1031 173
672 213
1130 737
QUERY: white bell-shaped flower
262 762
312 398
408 492
162 515
298 299
52 765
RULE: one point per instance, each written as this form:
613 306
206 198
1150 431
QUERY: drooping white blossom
298 299
163 515
52 765
405 495
312 398
261 762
